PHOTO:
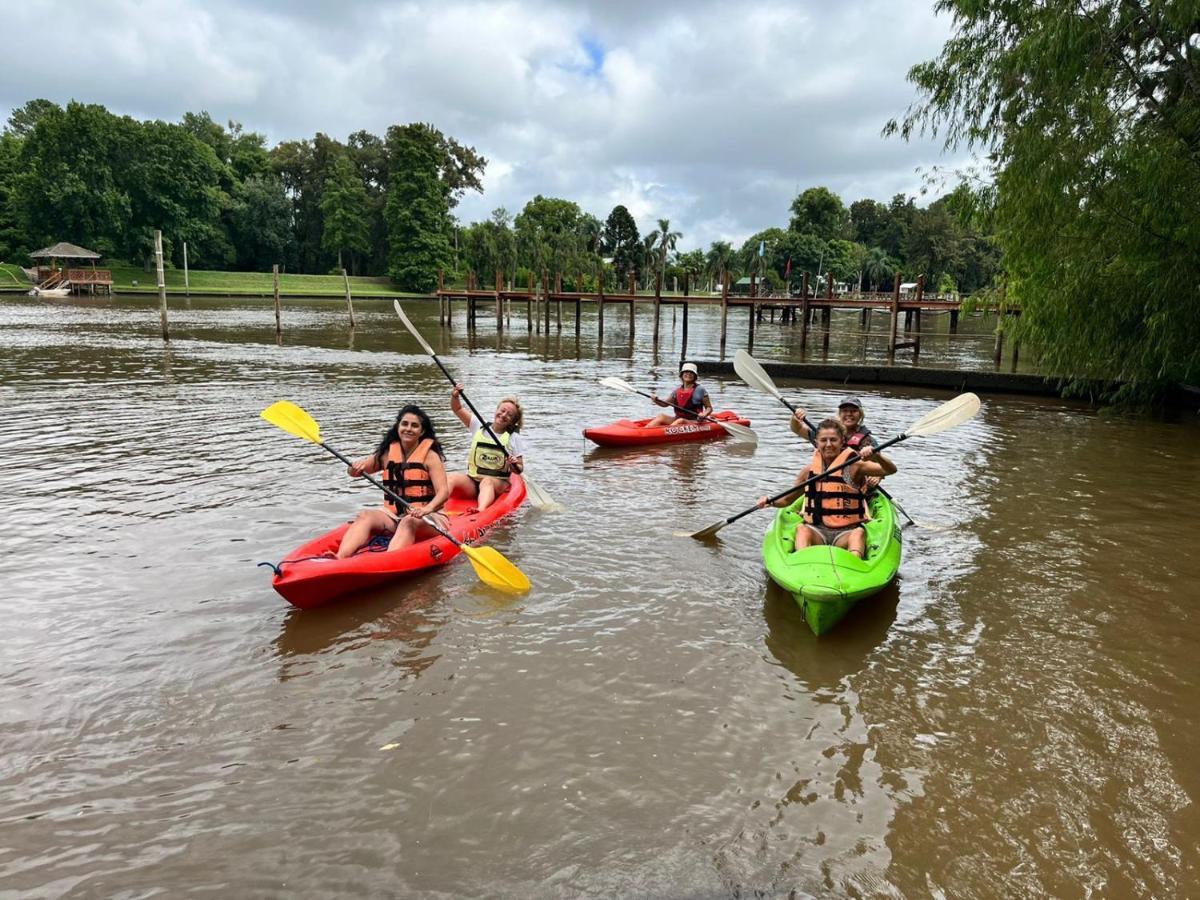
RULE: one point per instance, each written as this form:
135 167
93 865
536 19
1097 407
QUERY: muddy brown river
1016 716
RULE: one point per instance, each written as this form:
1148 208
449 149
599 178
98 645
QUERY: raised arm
456 406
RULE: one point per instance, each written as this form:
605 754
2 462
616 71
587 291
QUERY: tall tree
260 224
820 211
1091 114
868 221
23 119
418 207
621 241
344 209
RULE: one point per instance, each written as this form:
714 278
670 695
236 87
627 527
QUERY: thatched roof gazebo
52 277
63 250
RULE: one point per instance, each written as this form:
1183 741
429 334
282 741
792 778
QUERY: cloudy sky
710 114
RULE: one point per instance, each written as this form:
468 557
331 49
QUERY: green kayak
827 581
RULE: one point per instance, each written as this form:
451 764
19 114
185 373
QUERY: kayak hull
633 433
826 582
307 578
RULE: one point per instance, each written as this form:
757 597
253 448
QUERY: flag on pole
762 248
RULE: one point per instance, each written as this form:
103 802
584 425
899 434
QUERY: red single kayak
633 433
307 578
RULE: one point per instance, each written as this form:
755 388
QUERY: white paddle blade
704 533
412 329
738 432
538 496
951 413
753 374
618 384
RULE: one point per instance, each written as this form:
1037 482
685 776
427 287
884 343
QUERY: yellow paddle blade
496 571
293 420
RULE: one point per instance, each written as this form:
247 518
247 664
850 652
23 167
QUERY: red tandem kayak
307 579
631 433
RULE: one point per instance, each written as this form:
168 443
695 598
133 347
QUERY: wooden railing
90 276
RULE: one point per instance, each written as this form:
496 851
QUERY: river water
1016 716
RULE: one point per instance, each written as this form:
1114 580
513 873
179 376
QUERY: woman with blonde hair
489 464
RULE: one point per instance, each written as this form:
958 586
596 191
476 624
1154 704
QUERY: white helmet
689 367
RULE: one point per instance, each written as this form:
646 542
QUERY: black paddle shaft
792 490
387 490
686 412
471 407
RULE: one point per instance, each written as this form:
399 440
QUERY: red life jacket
854 441
831 501
683 397
408 477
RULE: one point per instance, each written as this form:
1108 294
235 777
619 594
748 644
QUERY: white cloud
711 115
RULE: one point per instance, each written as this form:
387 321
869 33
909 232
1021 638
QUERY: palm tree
878 266
646 260
666 242
716 262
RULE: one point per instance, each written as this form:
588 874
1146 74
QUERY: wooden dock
545 300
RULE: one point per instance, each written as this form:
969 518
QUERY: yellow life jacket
486 457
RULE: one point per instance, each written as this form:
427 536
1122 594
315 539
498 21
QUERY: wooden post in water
350 303
499 300
1000 326
187 286
917 318
895 320
724 310
529 305
827 313
683 346
804 316
278 317
753 312
1016 353
558 302
600 303
578 301
954 321
658 304
441 298
162 287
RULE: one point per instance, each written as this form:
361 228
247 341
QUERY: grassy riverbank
134 279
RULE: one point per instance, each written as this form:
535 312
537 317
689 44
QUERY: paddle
736 431
749 370
951 413
491 567
537 495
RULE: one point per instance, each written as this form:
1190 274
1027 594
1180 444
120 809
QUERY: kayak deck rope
274 568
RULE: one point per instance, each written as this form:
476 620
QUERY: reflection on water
1012 717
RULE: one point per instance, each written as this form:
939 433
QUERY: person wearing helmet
687 402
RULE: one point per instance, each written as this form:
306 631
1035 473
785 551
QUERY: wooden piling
658 303
895 309
187 286
162 288
804 312
917 318
954 321
529 306
499 301
683 345
349 302
724 310
600 305
1016 353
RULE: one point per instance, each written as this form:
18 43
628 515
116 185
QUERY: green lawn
208 282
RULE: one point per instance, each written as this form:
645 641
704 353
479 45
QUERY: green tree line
374 205
866 245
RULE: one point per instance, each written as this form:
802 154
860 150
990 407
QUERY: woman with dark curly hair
413 462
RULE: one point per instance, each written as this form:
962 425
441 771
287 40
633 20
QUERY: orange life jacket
408 477
831 501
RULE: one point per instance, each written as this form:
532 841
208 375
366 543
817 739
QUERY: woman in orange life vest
411 457
488 466
835 505
689 395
